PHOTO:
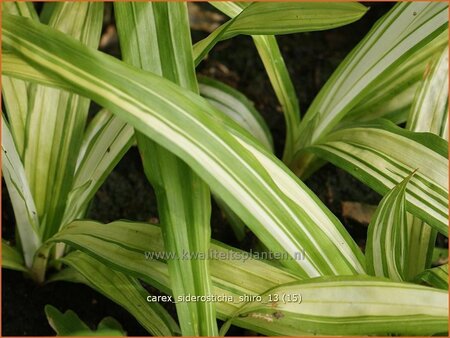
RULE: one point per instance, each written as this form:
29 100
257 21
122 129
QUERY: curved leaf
437 277
156 38
56 123
396 36
279 209
107 138
27 222
428 114
276 69
11 258
392 42
394 95
430 110
234 104
69 324
387 236
137 250
267 18
125 291
357 305
382 165
16 92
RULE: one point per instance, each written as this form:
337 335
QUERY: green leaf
428 114
382 165
234 104
65 324
68 274
393 97
109 323
21 8
11 258
20 69
56 123
274 18
16 92
46 12
268 18
437 277
156 38
137 250
125 291
27 222
393 40
422 239
357 305
106 139
274 204
395 37
438 255
430 109
276 69
387 249
69 324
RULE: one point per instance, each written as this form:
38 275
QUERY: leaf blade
437 277
27 222
432 99
11 258
384 50
357 305
137 250
56 123
106 140
381 165
266 18
387 249
125 291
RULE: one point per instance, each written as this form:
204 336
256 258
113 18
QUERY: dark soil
126 194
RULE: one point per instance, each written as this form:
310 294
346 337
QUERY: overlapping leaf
278 208
107 138
137 249
56 123
125 291
267 18
430 110
387 249
382 165
392 42
235 105
351 306
276 69
22 200
156 37
393 97
395 37
437 277
238 107
16 92
326 303
428 114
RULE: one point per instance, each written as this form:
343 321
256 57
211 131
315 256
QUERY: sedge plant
382 117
